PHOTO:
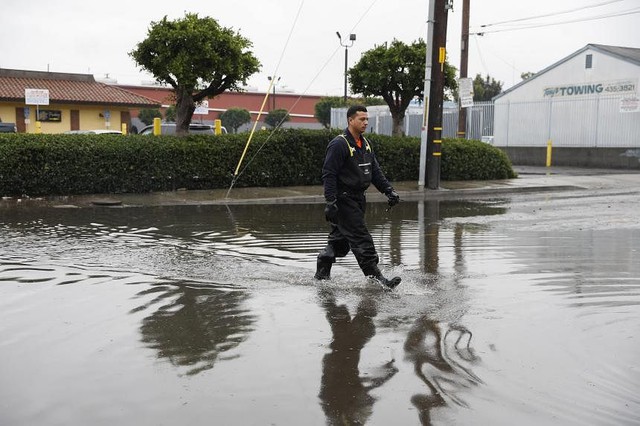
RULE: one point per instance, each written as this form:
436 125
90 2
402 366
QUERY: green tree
527 75
170 113
395 72
485 89
148 114
369 101
233 118
322 109
198 58
276 117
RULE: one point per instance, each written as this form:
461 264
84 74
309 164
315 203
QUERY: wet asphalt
519 304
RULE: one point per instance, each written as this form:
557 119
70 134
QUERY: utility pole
434 124
426 97
464 62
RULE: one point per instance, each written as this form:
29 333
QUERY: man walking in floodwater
350 166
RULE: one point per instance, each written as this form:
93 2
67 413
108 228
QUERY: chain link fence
479 120
589 122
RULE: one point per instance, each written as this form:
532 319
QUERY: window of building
588 61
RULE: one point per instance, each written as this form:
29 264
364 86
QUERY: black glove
331 211
393 197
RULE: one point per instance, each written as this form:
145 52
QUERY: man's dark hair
355 109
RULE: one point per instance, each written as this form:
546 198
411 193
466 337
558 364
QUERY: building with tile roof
75 102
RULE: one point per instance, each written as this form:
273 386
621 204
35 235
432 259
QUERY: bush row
79 164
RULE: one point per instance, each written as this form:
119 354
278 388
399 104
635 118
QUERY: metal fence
587 122
590 122
479 120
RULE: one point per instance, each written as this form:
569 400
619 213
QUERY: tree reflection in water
196 324
440 354
344 393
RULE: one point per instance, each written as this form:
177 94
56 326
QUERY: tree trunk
185 106
398 123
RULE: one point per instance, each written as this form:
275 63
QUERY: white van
170 129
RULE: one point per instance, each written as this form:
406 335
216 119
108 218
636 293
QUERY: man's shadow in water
344 393
441 363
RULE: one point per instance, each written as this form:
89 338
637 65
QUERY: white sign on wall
202 107
594 88
630 104
36 96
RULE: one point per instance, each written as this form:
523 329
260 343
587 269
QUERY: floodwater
209 315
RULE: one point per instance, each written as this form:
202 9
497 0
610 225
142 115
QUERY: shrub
80 164
276 117
148 114
473 160
233 118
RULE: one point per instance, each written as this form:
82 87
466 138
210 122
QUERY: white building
588 100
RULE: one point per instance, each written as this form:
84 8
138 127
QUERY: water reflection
442 357
437 345
345 394
431 214
541 305
193 326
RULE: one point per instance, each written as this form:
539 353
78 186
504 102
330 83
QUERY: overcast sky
81 36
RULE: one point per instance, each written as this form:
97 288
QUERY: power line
551 14
303 93
593 18
266 96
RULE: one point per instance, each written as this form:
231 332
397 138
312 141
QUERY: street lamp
273 101
352 38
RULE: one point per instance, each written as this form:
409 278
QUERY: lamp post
273 100
352 38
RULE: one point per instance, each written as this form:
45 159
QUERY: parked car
170 129
8 128
93 132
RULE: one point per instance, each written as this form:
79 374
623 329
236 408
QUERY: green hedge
80 164
474 160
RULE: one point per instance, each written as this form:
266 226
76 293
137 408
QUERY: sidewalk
531 179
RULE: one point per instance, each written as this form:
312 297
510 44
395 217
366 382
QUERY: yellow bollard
218 126
549 153
157 126
124 128
38 127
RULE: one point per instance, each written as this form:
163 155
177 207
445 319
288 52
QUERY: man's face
359 122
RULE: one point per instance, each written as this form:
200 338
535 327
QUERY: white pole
427 93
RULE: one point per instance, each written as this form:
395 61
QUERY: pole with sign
36 97
465 86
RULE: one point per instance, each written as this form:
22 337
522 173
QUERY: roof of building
68 88
628 54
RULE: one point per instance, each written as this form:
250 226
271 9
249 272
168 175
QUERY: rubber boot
374 273
323 270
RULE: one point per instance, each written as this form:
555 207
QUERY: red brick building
300 107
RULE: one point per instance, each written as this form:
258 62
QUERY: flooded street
523 309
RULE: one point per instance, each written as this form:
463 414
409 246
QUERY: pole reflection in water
194 326
428 229
344 393
437 345
441 357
